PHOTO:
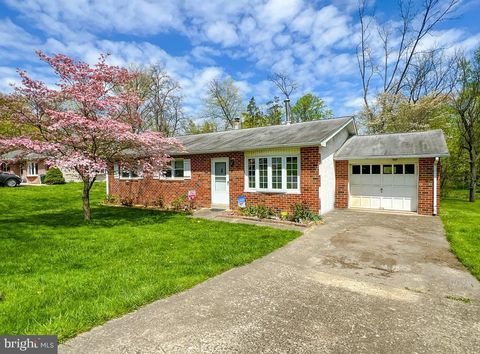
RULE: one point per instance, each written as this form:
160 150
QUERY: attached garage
391 171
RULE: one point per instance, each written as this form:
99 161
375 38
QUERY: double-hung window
272 174
129 174
32 169
123 172
177 169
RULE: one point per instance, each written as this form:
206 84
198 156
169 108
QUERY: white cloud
277 11
123 16
312 41
223 33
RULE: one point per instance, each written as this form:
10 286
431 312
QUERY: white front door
220 182
387 184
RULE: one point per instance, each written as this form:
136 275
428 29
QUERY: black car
9 179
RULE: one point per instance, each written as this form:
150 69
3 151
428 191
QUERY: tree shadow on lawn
102 217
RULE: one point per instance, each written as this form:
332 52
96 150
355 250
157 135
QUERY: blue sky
196 41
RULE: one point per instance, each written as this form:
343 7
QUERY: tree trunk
473 176
86 200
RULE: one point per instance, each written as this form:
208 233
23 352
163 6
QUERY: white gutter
435 164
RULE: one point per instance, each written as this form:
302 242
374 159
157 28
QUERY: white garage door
387 185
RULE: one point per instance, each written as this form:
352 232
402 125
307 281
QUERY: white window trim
28 169
139 173
161 175
284 189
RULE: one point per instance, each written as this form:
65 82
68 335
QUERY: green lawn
462 225
61 276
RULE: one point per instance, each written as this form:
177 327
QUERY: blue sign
242 201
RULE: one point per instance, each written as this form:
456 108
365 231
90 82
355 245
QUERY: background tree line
407 86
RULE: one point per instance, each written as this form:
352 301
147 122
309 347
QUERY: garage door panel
395 188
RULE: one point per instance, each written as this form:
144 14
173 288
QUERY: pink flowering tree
89 121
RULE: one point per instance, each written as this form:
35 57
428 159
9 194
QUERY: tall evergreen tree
253 116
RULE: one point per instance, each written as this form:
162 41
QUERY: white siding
327 171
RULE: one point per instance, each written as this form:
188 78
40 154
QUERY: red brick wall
148 190
341 184
425 186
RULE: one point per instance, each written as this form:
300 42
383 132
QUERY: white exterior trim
212 181
324 142
327 171
270 190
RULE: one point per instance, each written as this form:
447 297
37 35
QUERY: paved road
363 282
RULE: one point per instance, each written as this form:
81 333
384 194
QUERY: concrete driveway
364 282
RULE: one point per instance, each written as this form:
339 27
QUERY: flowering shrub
88 121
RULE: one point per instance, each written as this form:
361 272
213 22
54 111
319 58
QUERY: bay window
272 174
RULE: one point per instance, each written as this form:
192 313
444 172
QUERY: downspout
435 164
108 187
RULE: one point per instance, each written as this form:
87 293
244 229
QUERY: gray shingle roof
19 154
416 144
298 134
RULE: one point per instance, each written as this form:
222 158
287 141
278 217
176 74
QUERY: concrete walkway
361 283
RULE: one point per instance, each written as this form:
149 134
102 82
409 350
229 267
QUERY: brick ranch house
31 167
322 163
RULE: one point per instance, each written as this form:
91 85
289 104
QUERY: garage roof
292 135
416 144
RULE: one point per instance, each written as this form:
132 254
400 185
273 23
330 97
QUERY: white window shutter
116 170
187 169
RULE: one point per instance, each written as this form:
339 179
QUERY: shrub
111 199
301 213
54 176
260 211
159 202
180 203
126 201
